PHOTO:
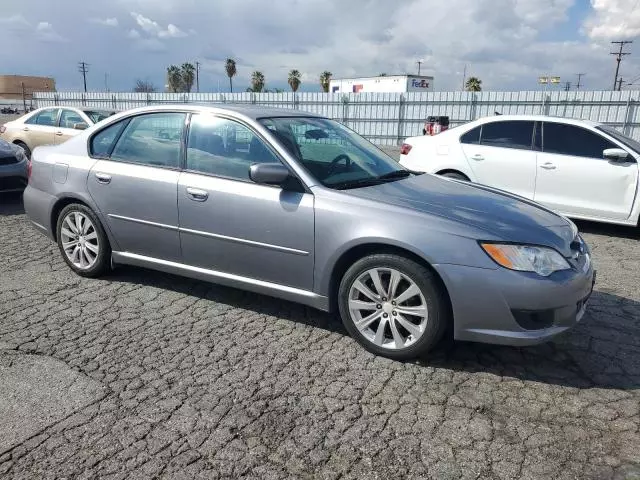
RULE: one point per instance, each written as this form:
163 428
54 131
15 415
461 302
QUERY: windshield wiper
395 174
363 182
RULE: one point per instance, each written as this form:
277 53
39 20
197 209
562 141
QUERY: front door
134 183
574 178
68 119
500 154
230 224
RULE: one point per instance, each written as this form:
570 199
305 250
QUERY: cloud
153 29
133 34
107 22
46 33
15 23
614 19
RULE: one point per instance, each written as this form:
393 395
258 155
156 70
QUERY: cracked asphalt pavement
165 377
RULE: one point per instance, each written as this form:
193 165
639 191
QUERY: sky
508 44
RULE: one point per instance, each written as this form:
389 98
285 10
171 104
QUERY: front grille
12 183
8 160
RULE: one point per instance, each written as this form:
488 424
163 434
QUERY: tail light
405 149
2 129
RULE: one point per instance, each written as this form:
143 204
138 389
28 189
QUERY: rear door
575 178
500 154
66 122
135 181
40 129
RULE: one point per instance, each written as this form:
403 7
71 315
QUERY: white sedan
581 169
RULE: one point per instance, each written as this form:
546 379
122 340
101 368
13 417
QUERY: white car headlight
526 258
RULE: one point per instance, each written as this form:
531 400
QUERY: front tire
82 241
393 306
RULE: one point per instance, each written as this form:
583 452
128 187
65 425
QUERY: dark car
13 168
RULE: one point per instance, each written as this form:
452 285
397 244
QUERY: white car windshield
336 156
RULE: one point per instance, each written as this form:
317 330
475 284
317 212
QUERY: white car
581 169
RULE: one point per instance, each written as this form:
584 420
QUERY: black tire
430 287
24 147
455 175
103 259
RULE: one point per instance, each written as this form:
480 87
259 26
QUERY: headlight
526 258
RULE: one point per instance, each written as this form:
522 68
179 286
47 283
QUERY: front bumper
495 306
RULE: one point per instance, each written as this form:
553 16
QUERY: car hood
506 216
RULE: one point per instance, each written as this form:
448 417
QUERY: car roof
251 111
538 118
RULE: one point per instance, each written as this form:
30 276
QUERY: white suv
581 169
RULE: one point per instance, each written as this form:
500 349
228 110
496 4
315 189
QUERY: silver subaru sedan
299 207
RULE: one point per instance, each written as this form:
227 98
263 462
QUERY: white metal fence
388 118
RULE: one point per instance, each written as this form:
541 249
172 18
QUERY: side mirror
268 173
80 126
615 154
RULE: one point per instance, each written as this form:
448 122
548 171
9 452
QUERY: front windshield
628 142
97 115
336 156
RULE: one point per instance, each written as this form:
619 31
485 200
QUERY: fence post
55 99
402 106
345 109
474 106
296 102
627 110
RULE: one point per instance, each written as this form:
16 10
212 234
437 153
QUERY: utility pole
198 77
619 54
419 62
83 68
620 84
579 75
464 76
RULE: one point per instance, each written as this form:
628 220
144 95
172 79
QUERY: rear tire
400 296
455 175
82 241
24 147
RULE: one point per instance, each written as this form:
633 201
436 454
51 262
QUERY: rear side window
153 139
472 136
102 141
46 118
68 118
566 139
508 134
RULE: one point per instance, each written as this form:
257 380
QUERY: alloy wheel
388 308
80 241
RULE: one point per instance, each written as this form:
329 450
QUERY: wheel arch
357 252
453 170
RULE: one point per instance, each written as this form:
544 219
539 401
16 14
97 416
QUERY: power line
579 75
619 55
83 68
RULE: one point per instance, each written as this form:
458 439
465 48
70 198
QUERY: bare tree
144 86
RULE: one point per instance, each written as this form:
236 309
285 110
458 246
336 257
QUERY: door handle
477 157
103 178
197 195
59 134
548 166
25 129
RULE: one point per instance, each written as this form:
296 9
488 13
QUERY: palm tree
230 67
174 78
294 80
257 82
473 84
325 80
188 76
